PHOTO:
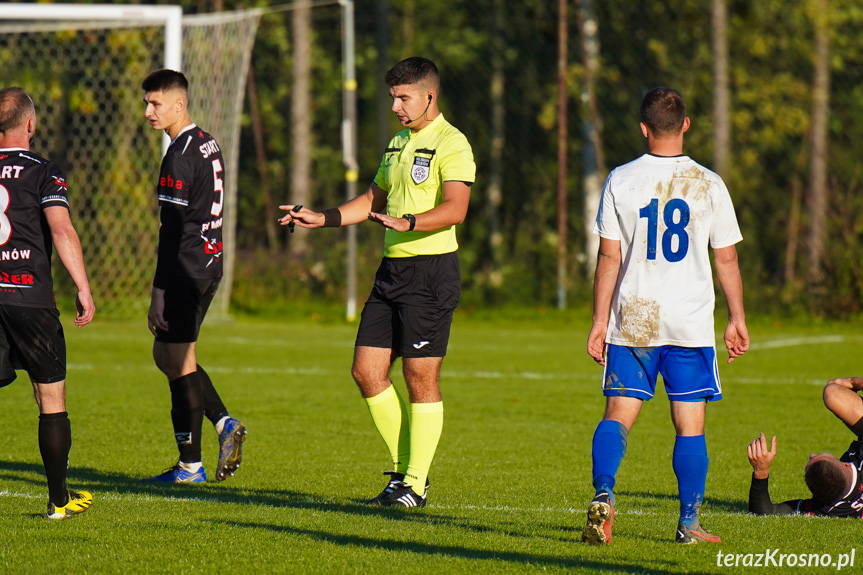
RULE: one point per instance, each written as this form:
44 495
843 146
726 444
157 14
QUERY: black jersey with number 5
28 184
191 195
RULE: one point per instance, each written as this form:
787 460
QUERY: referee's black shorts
31 338
411 305
186 303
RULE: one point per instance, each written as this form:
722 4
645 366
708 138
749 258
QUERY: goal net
84 77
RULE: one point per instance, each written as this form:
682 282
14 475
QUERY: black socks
214 409
55 441
187 414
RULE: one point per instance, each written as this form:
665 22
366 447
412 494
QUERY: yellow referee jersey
412 172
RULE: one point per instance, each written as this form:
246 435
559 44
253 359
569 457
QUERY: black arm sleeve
760 504
168 262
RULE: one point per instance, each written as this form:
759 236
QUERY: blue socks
690 466
609 447
689 461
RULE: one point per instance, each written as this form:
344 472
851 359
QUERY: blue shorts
689 373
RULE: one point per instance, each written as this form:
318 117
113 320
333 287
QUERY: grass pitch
510 483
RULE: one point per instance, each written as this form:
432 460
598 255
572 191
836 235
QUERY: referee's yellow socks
426 427
390 416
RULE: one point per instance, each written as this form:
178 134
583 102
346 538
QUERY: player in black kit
836 483
188 270
34 219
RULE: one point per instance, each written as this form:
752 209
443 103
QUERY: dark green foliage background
642 45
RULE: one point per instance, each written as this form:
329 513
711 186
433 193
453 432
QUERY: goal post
83 66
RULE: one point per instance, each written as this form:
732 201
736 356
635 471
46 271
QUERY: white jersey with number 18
665 211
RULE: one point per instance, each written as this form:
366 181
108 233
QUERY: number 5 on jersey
218 188
672 228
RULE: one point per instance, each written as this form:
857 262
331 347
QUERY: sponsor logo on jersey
420 169
213 248
59 182
169 182
16 280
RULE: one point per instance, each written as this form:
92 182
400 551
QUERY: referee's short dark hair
826 481
165 80
15 106
413 70
663 111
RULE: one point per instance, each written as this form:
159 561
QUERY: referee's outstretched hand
304 217
397 224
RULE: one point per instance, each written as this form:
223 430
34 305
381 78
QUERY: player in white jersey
653 306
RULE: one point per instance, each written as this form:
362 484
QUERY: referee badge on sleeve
420 169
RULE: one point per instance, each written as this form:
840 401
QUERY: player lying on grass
835 483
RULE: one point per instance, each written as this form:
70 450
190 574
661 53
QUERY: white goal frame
175 41
171 17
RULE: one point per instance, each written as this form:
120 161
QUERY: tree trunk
494 199
562 128
261 155
817 194
382 97
301 144
793 237
408 17
721 98
594 162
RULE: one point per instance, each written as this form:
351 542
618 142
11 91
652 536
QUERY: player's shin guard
609 447
690 466
214 409
390 416
187 414
426 428
55 441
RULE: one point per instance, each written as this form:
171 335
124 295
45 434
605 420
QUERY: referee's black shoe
391 486
404 496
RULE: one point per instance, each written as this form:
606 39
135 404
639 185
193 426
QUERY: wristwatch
412 220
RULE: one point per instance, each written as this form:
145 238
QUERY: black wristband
412 220
332 218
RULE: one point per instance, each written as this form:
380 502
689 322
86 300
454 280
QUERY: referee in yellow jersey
421 192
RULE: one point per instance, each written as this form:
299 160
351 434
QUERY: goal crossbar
171 17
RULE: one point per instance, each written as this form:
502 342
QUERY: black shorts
31 338
411 305
186 305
